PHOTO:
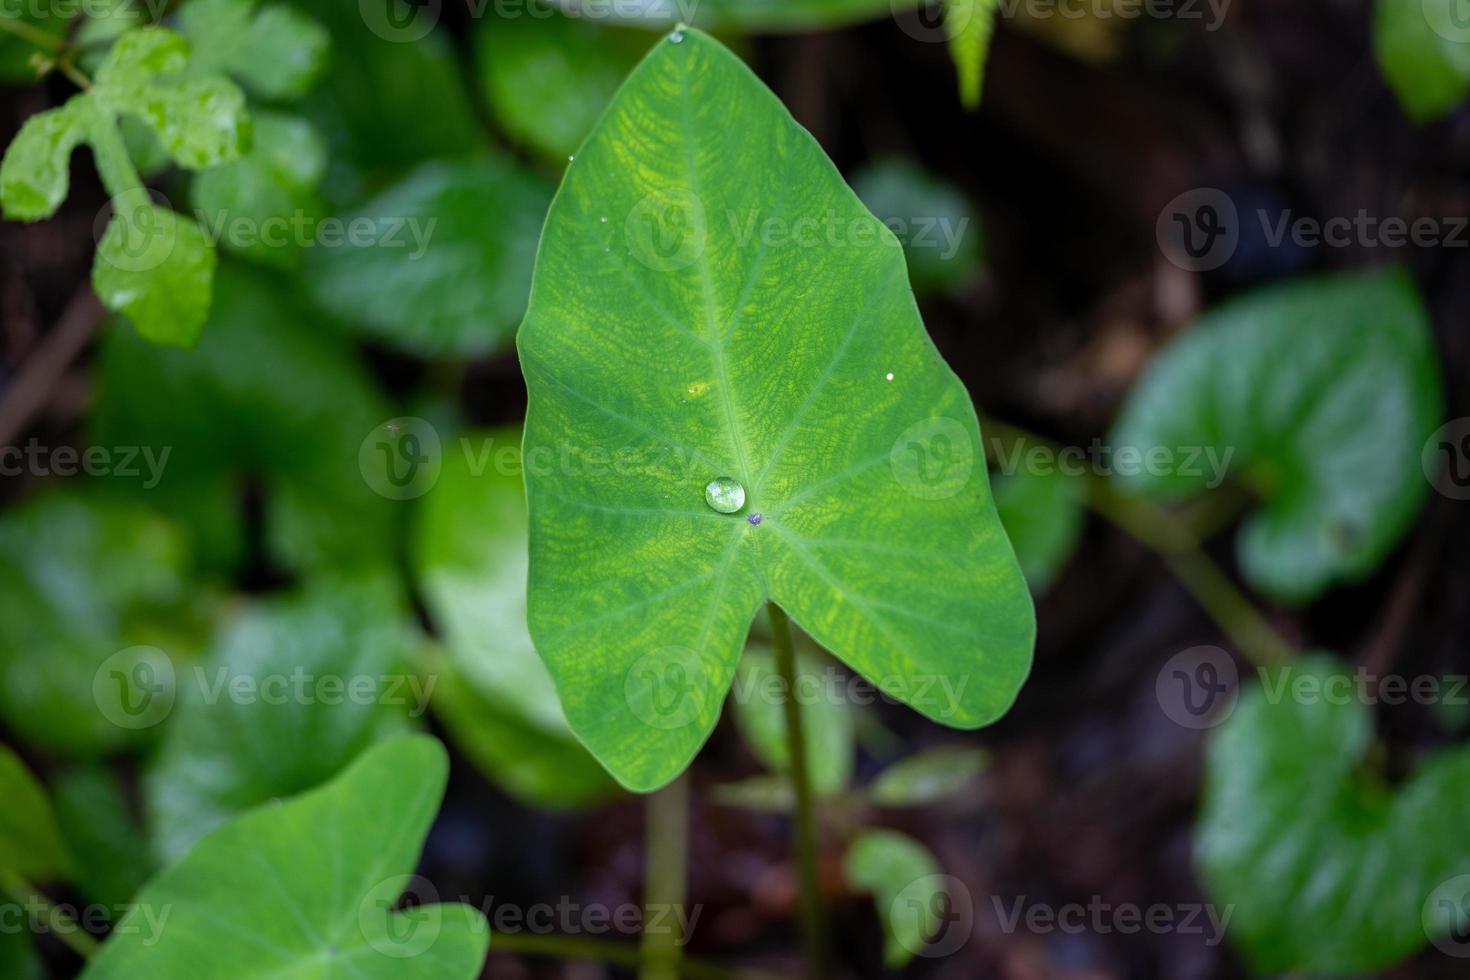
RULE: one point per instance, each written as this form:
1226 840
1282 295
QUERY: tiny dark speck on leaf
754 519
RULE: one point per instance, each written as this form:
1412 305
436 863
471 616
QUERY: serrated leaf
265 205
36 172
1043 515
666 348
939 230
1423 49
447 264
493 692
1319 394
906 885
1328 869
758 700
156 268
276 52
98 824
82 579
290 693
970 25
927 777
309 886
549 80
274 393
31 846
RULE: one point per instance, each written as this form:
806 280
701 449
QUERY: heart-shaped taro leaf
732 399
308 887
30 840
1329 870
1320 395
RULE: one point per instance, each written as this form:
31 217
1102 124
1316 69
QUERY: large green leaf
30 840
308 888
493 692
1423 48
549 80
82 580
273 393
758 699
1319 394
664 349
907 889
1328 869
291 693
447 264
744 15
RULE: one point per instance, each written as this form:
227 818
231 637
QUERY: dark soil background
1093 791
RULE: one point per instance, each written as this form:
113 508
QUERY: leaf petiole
58 923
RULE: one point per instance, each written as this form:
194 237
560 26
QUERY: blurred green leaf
758 700
82 578
1319 394
936 224
51 19
1329 870
273 392
970 24
291 692
156 268
446 263
18 959
766 793
906 885
265 206
662 352
309 886
548 80
1423 48
30 840
1043 514
493 692
274 51
113 855
927 777
36 171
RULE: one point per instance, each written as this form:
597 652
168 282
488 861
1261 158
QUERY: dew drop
725 494
890 375
603 219
677 37
571 157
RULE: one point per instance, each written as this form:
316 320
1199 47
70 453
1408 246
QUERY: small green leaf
927 777
309 887
1272 388
548 81
1423 48
36 172
30 841
156 268
758 699
1043 514
264 205
276 52
684 328
444 263
940 233
907 889
970 24
1329 871
83 579
113 855
306 683
493 692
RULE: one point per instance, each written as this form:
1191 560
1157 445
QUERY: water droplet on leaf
890 375
725 494
677 36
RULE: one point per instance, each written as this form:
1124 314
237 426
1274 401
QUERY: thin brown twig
41 371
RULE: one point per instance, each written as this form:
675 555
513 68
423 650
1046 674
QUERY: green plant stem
665 878
1179 545
615 954
804 831
30 33
58 923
